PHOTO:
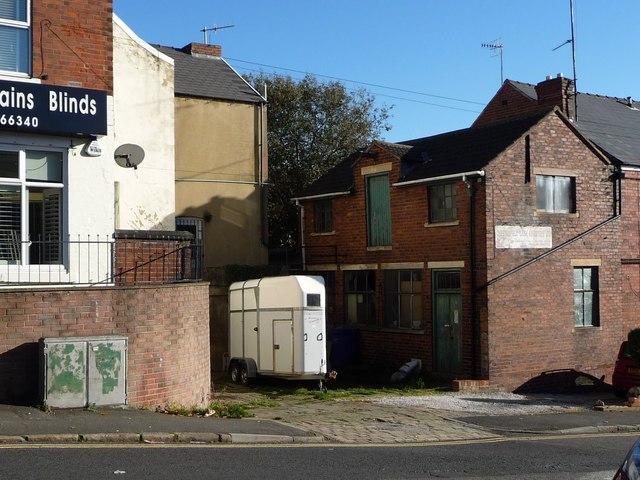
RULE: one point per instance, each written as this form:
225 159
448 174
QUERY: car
626 373
630 468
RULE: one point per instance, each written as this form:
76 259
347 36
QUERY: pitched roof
336 181
467 150
208 77
449 153
613 124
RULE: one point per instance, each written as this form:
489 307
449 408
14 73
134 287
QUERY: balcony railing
108 260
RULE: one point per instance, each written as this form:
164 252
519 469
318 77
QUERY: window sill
323 234
380 249
18 76
586 328
544 213
370 328
442 224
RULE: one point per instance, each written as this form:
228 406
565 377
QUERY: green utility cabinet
82 371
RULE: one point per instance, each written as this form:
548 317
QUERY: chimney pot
549 77
560 75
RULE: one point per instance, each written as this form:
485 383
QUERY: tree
311 126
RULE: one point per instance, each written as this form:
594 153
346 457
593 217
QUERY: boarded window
378 210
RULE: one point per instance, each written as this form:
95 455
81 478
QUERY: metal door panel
283 346
107 372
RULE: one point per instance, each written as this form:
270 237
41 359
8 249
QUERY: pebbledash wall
168 354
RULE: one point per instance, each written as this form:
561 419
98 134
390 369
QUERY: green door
447 305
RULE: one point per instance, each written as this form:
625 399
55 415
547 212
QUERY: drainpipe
475 345
263 202
302 242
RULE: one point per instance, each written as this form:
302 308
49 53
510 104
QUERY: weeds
213 409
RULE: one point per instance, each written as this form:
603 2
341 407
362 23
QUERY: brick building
87 232
490 253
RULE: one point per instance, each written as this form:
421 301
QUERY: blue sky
422 50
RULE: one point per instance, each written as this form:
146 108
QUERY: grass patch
263 401
213 409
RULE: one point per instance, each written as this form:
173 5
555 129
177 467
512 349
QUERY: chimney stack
556 92
202 50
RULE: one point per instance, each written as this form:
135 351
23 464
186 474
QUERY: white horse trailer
277 328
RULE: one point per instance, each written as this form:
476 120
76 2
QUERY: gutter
474 173
207 180
323 195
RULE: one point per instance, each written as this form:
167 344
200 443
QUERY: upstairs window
555 194
442 203
378 211
323 216
15 48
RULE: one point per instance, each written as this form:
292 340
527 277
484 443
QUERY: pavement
298 419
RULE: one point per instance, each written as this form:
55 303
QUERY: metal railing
99 261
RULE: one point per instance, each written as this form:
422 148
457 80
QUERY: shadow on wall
20 375
231 232
562 381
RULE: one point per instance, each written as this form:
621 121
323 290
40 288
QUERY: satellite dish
129 155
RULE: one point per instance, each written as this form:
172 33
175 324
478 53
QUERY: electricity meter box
277 327
81 371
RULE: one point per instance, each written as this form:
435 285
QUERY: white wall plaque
508 236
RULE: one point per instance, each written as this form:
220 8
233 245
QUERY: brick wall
631 247
507 102
524 324
140 261
167 327
530 313
72 43
510 101
411 242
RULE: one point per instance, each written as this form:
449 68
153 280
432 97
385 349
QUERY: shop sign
49 109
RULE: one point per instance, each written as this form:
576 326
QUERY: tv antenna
497 47
572 41
213 29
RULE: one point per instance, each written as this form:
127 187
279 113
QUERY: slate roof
460 151
609 122
467 150
336 181
208 77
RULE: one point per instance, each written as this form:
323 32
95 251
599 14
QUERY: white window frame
23 184
21 25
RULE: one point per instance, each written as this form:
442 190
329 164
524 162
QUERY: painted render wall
218 165
143 115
